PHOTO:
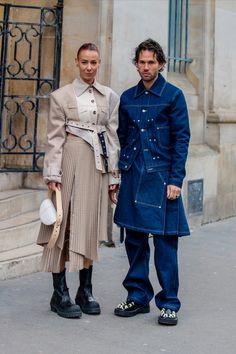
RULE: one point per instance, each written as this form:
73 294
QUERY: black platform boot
61 302
84 297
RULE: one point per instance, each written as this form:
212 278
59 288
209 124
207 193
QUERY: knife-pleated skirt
85 210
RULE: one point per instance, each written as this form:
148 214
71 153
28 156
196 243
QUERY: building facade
207 77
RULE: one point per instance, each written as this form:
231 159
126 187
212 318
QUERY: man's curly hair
153 46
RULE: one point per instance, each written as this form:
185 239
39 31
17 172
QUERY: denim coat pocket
163 137
151 189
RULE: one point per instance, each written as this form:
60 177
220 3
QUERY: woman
81 160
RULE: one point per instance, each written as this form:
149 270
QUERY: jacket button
144 110
135 148
126 166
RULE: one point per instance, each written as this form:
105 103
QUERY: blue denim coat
154 137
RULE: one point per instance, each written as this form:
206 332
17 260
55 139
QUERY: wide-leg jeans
137 281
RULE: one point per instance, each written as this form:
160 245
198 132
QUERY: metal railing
30 54
178 36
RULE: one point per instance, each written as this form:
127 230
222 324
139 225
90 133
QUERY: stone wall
214 162
80 25
117 27
133 22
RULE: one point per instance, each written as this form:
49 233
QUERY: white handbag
50 215
47 212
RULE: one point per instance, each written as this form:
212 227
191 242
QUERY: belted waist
88 126
96 139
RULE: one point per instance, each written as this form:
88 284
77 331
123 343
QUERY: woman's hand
54 185
113 192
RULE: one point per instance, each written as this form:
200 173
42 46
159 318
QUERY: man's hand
54 185
173 192
113 192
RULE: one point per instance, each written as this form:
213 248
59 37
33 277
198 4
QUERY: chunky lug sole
76 314
167 321
96 311
89 310
123 313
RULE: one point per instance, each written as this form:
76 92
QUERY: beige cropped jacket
85 111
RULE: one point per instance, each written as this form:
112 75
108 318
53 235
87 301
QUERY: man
154 137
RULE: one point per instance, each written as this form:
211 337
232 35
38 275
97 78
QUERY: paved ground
207 320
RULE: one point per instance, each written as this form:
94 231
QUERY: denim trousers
137 281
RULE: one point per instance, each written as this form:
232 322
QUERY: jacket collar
80 87
157 88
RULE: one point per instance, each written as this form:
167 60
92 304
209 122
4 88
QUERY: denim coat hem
152 231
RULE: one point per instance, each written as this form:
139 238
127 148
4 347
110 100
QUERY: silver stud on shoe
168 317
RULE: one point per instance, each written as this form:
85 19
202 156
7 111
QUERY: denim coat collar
80 87
157 88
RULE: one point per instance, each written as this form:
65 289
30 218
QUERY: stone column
105 40
221 117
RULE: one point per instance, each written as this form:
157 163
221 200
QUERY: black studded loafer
168 317
130 308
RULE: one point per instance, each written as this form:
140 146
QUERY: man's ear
76 62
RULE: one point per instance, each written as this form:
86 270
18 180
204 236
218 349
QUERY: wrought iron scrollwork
24 82
39 161
49 17
45 87
22 34
15 110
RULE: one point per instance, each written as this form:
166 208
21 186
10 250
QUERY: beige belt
57 225
95 129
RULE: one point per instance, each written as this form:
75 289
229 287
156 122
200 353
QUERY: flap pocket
71 105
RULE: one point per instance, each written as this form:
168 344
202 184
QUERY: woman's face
88 63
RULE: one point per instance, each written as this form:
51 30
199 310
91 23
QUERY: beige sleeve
114 178
55 140
112 138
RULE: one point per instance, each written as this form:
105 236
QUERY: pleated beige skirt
85 210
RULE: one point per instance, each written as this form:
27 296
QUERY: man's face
88 63
148 66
